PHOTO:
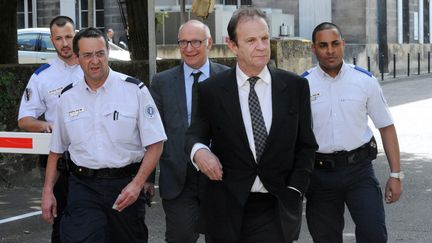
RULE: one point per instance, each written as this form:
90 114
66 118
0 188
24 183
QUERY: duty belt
127 171
342 159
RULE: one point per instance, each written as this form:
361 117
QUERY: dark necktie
258 125
195 93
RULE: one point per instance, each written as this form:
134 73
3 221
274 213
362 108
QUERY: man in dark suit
253 138
179 182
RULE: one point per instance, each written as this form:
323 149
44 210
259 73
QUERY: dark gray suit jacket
168 90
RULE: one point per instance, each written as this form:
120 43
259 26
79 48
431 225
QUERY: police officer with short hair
113 131
342 98
41 96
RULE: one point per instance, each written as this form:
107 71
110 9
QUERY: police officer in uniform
342 98
113 131
41 96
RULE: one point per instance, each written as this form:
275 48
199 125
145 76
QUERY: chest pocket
320 105
121 123
77 126
353 103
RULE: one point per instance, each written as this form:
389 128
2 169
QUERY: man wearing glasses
173 91
112 129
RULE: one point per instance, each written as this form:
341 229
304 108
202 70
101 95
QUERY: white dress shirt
263 90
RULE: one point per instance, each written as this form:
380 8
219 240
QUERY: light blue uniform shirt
341 106
109 127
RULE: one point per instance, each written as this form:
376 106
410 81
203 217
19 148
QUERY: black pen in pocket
115 115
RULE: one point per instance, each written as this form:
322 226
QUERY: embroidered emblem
27 94
150 111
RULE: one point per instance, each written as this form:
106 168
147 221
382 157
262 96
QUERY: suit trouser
357 187
89 217
261 222
181 213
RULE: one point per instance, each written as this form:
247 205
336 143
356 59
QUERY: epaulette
306 73
363 71
41 68
66 88
135 81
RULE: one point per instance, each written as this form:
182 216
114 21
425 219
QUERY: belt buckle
326 163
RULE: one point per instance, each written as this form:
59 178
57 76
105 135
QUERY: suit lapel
231 103
279 94
180 93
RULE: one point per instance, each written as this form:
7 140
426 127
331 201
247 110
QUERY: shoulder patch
41 68
66 88
363 71
306 73
135 81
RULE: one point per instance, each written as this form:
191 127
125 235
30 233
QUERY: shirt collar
242 78
205 69
64 64
106 86
341 71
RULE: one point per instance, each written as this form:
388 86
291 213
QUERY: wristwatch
397 175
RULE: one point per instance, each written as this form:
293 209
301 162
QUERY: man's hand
48 206
209 164
128 196
393 190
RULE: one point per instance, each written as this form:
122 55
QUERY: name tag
55 91
75 112
315 96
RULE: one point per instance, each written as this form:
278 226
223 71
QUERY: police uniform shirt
44 88
109 127
341 105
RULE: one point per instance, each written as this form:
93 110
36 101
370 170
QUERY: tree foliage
8 33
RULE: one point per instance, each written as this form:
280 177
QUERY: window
27 42
25 18
96 11
46 44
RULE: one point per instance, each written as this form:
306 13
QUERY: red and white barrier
25 142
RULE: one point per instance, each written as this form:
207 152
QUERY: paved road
409 220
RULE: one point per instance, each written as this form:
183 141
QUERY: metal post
418 63
394 65
354 61
382 66
368 63
408 65
152 38
428 61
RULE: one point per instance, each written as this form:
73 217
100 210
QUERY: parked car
34 46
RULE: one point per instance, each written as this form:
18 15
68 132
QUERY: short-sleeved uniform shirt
44 88
109 127
341 106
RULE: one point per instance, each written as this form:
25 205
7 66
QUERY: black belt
127 171
342 159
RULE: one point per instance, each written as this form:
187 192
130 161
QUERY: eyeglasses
90 55
193 43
